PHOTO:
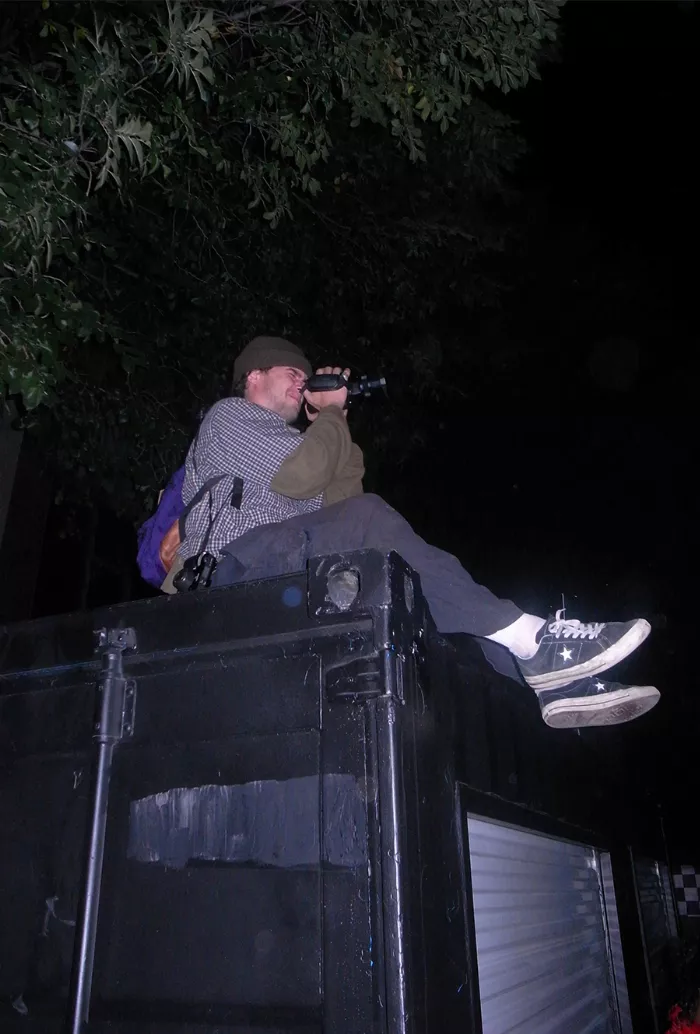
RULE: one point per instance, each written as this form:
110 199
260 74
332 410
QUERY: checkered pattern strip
686 884
241 440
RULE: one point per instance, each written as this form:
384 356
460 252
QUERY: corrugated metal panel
658 924
655 893
540 936
669 899
615 942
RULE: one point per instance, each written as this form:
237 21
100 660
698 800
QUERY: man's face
279 389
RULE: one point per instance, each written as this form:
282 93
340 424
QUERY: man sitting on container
278 497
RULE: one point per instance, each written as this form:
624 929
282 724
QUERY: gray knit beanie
262 352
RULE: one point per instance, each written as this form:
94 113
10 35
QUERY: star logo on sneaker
600 686
569 650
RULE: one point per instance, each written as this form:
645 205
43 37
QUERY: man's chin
291 412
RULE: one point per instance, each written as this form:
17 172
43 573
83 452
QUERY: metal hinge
122 638
116 695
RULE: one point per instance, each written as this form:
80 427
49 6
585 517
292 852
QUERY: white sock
520 637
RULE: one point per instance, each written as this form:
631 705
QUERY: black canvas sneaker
568 650
593 702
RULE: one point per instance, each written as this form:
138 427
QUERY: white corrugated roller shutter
540 934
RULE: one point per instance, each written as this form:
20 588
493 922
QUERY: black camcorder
364 386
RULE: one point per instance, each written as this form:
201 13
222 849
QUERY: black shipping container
320 818
281 852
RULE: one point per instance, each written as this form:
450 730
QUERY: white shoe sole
629 642
623 705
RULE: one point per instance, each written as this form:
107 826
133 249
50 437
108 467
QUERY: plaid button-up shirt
240 440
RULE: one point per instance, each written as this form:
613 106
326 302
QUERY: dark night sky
601 454
582 450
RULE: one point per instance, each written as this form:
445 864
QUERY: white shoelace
574 629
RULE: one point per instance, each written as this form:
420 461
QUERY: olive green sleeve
324 451
348 481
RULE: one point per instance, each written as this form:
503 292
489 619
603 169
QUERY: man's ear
253 381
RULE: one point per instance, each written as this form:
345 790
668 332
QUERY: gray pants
457 603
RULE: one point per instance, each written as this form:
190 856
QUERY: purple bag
151 533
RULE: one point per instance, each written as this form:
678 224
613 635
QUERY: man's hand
169 545
320 399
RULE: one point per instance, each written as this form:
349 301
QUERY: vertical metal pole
390 810
108 731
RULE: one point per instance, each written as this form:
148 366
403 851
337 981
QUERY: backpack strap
198 570
236 500
195 501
